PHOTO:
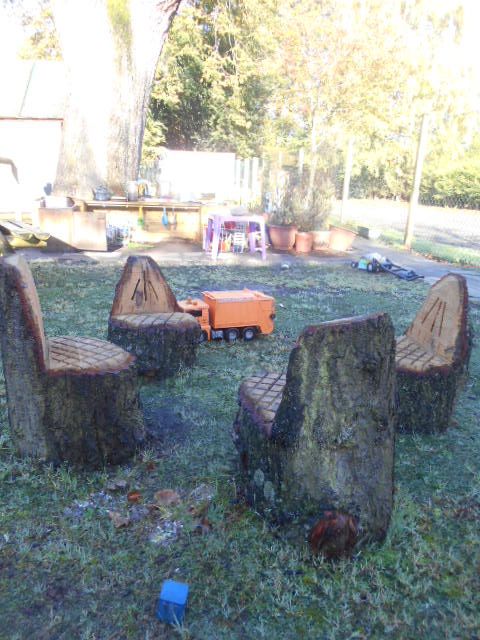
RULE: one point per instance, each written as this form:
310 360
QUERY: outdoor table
214 226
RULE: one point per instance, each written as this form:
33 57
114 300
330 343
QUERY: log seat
320 438
147 321
69 398
432 358
261 396
82 355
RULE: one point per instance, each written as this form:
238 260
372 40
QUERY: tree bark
110 50
145 320
161 349
69 399
331 443
432 358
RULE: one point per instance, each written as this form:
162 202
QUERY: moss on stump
325 440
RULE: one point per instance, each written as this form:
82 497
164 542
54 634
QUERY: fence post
346 178
421 147
246 182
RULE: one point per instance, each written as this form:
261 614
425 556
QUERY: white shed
31 116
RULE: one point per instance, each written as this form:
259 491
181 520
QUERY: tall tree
215 78
110 49
336 82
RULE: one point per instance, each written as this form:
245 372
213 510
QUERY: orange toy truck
231 314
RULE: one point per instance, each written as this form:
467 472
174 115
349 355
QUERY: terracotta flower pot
303 242
282 237
321 239
340 239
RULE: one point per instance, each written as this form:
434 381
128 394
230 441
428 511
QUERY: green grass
436 250
66 572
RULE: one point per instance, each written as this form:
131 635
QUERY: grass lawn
436 250
67 573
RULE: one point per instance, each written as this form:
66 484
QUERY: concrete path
431 269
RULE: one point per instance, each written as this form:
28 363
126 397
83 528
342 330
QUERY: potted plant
341 238
304 237
310 209
281 230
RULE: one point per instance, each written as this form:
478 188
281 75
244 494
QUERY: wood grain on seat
143 289
437 336
432 358
262 395
144 320
70 355
147 321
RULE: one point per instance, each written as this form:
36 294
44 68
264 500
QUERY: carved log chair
69 399
321 437
432 357
146 320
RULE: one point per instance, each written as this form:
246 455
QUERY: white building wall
34 147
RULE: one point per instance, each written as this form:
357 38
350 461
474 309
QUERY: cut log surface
69 399
146 320
321 438
432 358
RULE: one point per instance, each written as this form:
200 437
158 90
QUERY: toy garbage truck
232 314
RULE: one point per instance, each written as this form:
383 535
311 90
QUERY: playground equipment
231 314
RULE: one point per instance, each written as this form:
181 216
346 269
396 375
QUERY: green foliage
438 251
42 39
454 184
308 216
213 85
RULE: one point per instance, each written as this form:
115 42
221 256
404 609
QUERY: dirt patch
167 426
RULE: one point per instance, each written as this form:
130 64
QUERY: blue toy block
172 602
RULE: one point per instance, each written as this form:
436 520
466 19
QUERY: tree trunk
110 51
145 320
330 444
163 347
69 399
313 161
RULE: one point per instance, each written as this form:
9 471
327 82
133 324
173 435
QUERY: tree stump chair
69 399
432 358
320 439
147 321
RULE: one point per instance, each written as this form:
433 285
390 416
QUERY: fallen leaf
118 520
166 498
203 527
134 496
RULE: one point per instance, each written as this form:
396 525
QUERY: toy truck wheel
354 264
231 335
248 333
370 267
203 337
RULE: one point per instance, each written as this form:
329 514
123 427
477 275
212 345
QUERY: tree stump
432 358
5 248
69 399
321 438
146 320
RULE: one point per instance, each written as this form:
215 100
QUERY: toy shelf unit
230 233
230 315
